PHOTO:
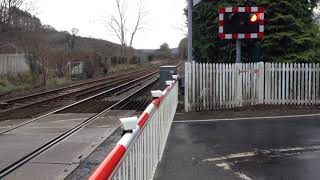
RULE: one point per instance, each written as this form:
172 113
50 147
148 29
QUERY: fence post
278 66
303 87
277 82
186 87
310 81
197 80
228 87
317 83
306 72
298 84
261 82
287 83
220 84
204 77
200 95
266 84
192 85
223 75
210 86
313 83
239 82
283 73
294 84
215 84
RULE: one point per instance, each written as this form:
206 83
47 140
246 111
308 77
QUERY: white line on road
241 175
227 165
285 151
249 118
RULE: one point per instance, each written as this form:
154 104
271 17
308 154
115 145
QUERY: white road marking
286 151
232 156
242 176
249 118
225 166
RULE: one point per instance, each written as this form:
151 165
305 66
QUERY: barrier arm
108 167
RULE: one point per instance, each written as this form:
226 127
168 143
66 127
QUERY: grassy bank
126 67
20 82
25 81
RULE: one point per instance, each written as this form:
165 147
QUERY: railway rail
128 93
149 78
30 105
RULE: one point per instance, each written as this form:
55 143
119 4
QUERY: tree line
15 17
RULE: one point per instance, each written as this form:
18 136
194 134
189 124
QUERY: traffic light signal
254 18
241 23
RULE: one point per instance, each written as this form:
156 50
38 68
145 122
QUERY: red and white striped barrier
259 10
137 154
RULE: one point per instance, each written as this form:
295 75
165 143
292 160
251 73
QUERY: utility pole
238 55
190 5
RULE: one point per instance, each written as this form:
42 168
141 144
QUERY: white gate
220 86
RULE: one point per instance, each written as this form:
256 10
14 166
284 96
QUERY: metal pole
238 57
190 4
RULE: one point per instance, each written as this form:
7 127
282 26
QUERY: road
255 148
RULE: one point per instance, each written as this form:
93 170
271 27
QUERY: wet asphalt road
273 149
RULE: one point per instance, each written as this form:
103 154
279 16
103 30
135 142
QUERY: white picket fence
221 86
292 84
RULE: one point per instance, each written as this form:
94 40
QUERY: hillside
26 33
56 41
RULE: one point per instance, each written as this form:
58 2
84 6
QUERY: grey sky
165 20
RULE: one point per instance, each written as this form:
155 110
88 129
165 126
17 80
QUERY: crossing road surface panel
63 158
255 148
8 124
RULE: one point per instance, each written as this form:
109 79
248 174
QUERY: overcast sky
164 22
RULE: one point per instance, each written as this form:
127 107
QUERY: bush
125 67
89 70
12 82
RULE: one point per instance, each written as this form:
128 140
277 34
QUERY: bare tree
38 53
119 22
6 7
6 11
139 22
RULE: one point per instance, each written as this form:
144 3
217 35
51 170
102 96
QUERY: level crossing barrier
137 154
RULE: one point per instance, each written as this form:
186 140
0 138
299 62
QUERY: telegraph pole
190 5
238 55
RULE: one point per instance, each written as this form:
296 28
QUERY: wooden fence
221 86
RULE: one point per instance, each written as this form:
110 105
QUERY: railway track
30 105
129 94
148 80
